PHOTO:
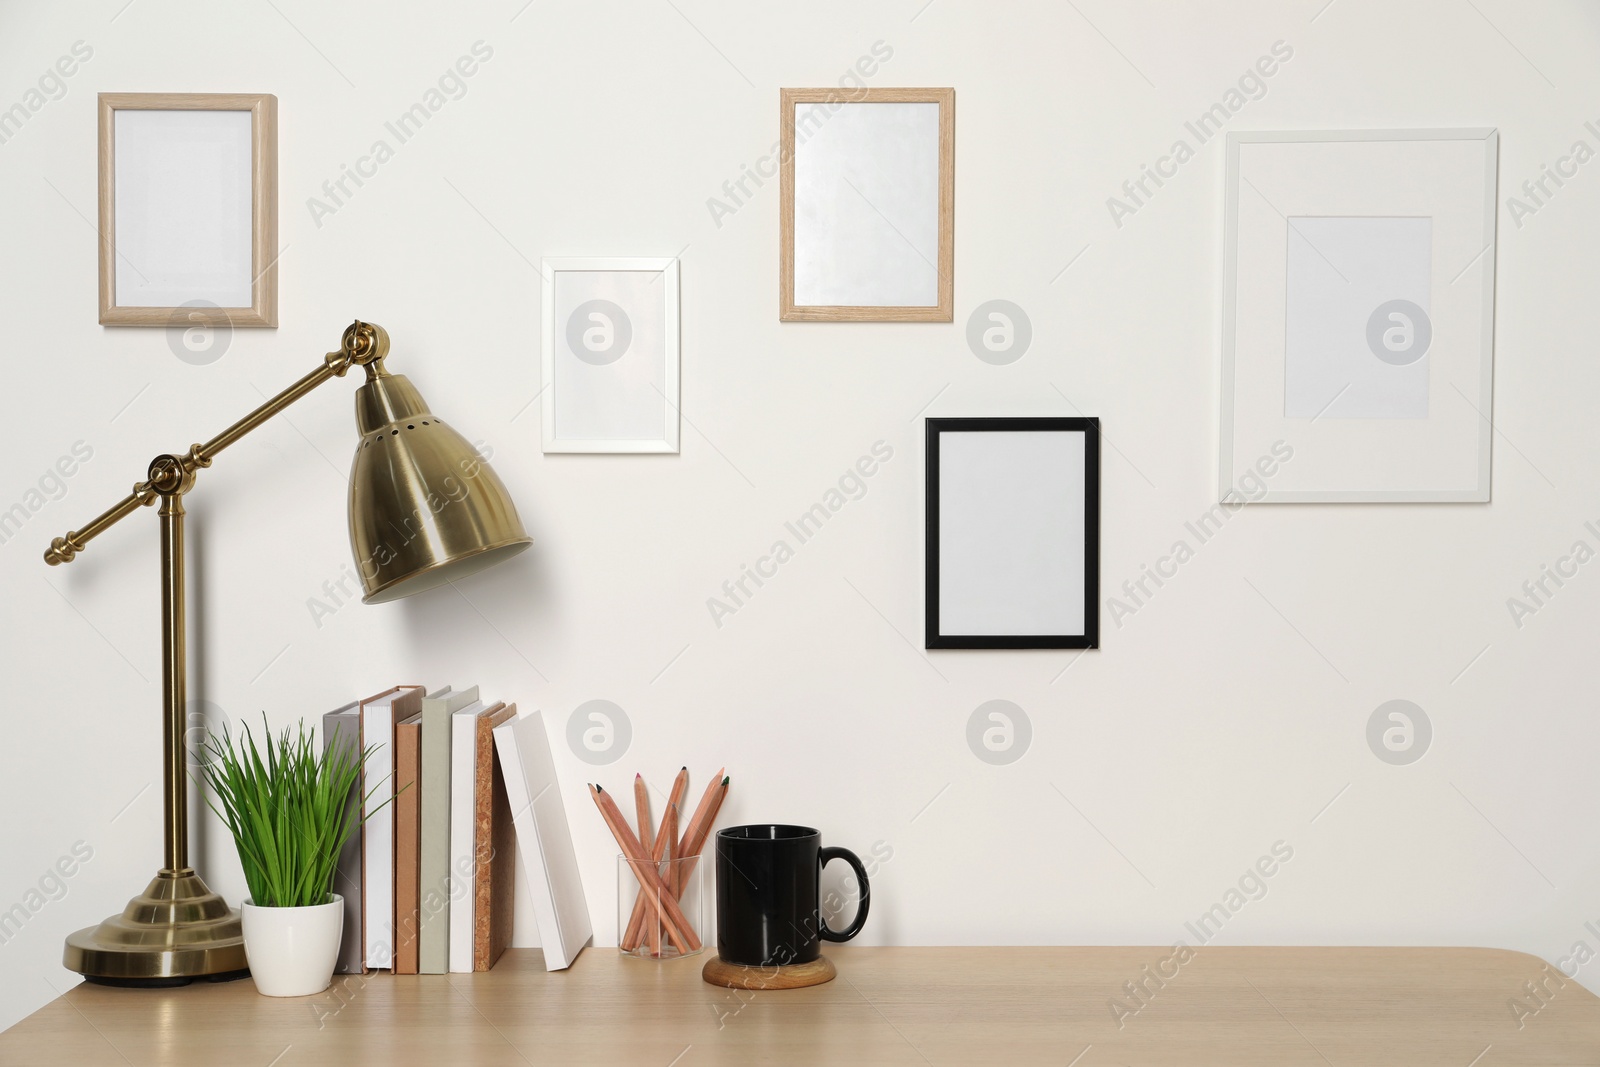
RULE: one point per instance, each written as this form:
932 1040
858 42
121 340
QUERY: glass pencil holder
660 908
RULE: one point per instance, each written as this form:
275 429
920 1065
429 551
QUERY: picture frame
610 357
1013 533
866 205
1358 316
188 191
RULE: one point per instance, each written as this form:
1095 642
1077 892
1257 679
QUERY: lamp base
175 931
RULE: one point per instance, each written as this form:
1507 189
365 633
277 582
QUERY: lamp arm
363 344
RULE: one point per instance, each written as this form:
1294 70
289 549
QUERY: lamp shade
425 507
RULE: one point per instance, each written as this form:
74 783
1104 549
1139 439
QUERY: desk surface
1238 1007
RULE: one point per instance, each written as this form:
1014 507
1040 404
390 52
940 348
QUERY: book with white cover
342 727
434 865
544 840
463 731
378 717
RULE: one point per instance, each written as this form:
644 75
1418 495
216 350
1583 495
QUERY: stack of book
453 788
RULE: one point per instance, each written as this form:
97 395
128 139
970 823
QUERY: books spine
437 883
463 730
377 839
493 847
407 843
482 844
341 728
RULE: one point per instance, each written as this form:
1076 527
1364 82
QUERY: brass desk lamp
425 509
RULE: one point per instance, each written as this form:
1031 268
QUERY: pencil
641 804
718 780
669 831
699 828
647 837
680 786
656 893
695 836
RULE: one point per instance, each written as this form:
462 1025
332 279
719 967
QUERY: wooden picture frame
618 394
1013 533
256 299
942 260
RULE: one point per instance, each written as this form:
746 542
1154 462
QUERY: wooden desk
1283 1007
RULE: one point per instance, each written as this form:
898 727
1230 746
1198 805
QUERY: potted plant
289 816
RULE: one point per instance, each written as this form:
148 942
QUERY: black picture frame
1090 427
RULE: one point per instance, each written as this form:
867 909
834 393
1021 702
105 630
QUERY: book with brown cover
494 839
407 844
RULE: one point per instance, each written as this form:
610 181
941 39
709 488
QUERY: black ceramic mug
768 895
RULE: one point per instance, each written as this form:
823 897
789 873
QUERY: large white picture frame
609 364
1358 315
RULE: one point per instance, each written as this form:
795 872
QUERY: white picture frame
596 398
1358 316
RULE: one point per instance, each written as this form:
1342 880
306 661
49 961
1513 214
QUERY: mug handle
831 853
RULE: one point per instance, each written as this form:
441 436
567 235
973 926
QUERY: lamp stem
174 686
178 929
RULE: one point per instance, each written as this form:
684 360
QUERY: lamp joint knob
170 476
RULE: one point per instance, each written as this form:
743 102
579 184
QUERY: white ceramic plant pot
292 951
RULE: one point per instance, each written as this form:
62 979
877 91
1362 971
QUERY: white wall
1206 728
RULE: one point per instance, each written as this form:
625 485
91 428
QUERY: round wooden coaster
718 971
